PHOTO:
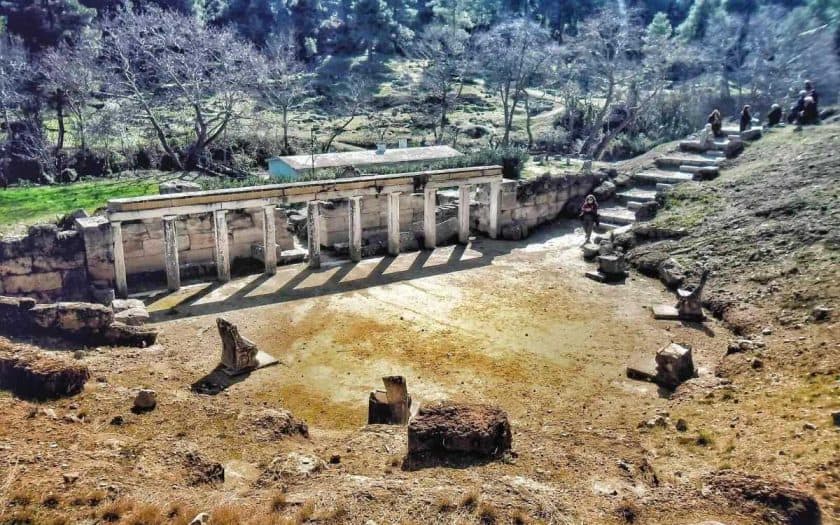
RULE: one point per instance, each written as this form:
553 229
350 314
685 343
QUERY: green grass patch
31 204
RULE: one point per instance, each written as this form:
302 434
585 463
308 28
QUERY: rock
132 316
391 406
120 305
117 421
590 250
671 273
274 424
291 466
14 315
70 477
201 519
103 296
647 211
120 334
335 459
782 503
809 426
456 430
767 331
202 470
835 418
757 363
681 425
177 186
612 265
145 400
647 260
73 318
821 313
605 191
658 421
674 365
623 180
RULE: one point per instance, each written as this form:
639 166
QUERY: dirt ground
511 324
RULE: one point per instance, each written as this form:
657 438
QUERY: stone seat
617 215
657 176
636 195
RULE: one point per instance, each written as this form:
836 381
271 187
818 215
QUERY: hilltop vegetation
96 87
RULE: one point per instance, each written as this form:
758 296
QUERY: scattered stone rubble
88 322
777 502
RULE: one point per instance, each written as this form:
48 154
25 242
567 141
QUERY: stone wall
45 264
78 264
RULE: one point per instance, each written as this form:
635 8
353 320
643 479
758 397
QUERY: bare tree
514 56
164 63
71 76
283 84
14 70
445 54
349 100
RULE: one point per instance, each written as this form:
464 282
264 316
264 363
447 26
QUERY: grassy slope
27 205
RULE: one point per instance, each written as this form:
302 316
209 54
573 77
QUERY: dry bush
305 511
627 511
519 517
278 502
22 497
114 511
146 514
444 504
51 501
227 514
469 500
487 514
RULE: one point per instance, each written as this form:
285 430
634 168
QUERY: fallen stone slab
132 316
74 318
119 334
457 432
120 305
674 364
30 375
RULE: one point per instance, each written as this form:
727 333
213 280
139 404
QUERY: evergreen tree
659 27
44 23
697 22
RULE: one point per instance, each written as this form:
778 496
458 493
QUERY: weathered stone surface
449 428
647 259
119 334
16 266
605 191
32 283
178 186
73 318
516 231
119 305
238 353
202 470
671 273
674 365
14 315
612 265
290 466
391 406
29 374
132 316
647 211
145 400
777 501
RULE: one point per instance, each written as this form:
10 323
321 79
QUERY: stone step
617 215
657 176
606 227
636 195
634 205
663 186
701 172
675 161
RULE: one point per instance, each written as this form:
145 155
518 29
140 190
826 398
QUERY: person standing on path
589 215
746 119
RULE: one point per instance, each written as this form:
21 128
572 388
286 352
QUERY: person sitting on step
717 123
589 215
746 119
774 116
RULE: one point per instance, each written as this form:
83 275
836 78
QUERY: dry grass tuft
627 511
305 512
227 514
487 514
95 497
444 504
114 511
51 501
469 500
146 514
519 517
278 502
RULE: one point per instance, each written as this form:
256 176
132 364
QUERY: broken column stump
453 432
611 268
688 308
674 365
391 406
239 355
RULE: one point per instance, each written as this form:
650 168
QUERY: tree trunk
528 122
59 145
285 131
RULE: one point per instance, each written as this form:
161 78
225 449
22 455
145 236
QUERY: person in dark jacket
810 114
811 92
746 119
717 123
589 215
774 116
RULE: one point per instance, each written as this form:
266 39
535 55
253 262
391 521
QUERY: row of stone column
222 250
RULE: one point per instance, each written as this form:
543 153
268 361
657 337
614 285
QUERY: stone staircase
693 161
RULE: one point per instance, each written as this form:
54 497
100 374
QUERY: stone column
313 233
495 199
120 282
221 250
355 224
394 223
464 214
429 218
269 239
170 253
